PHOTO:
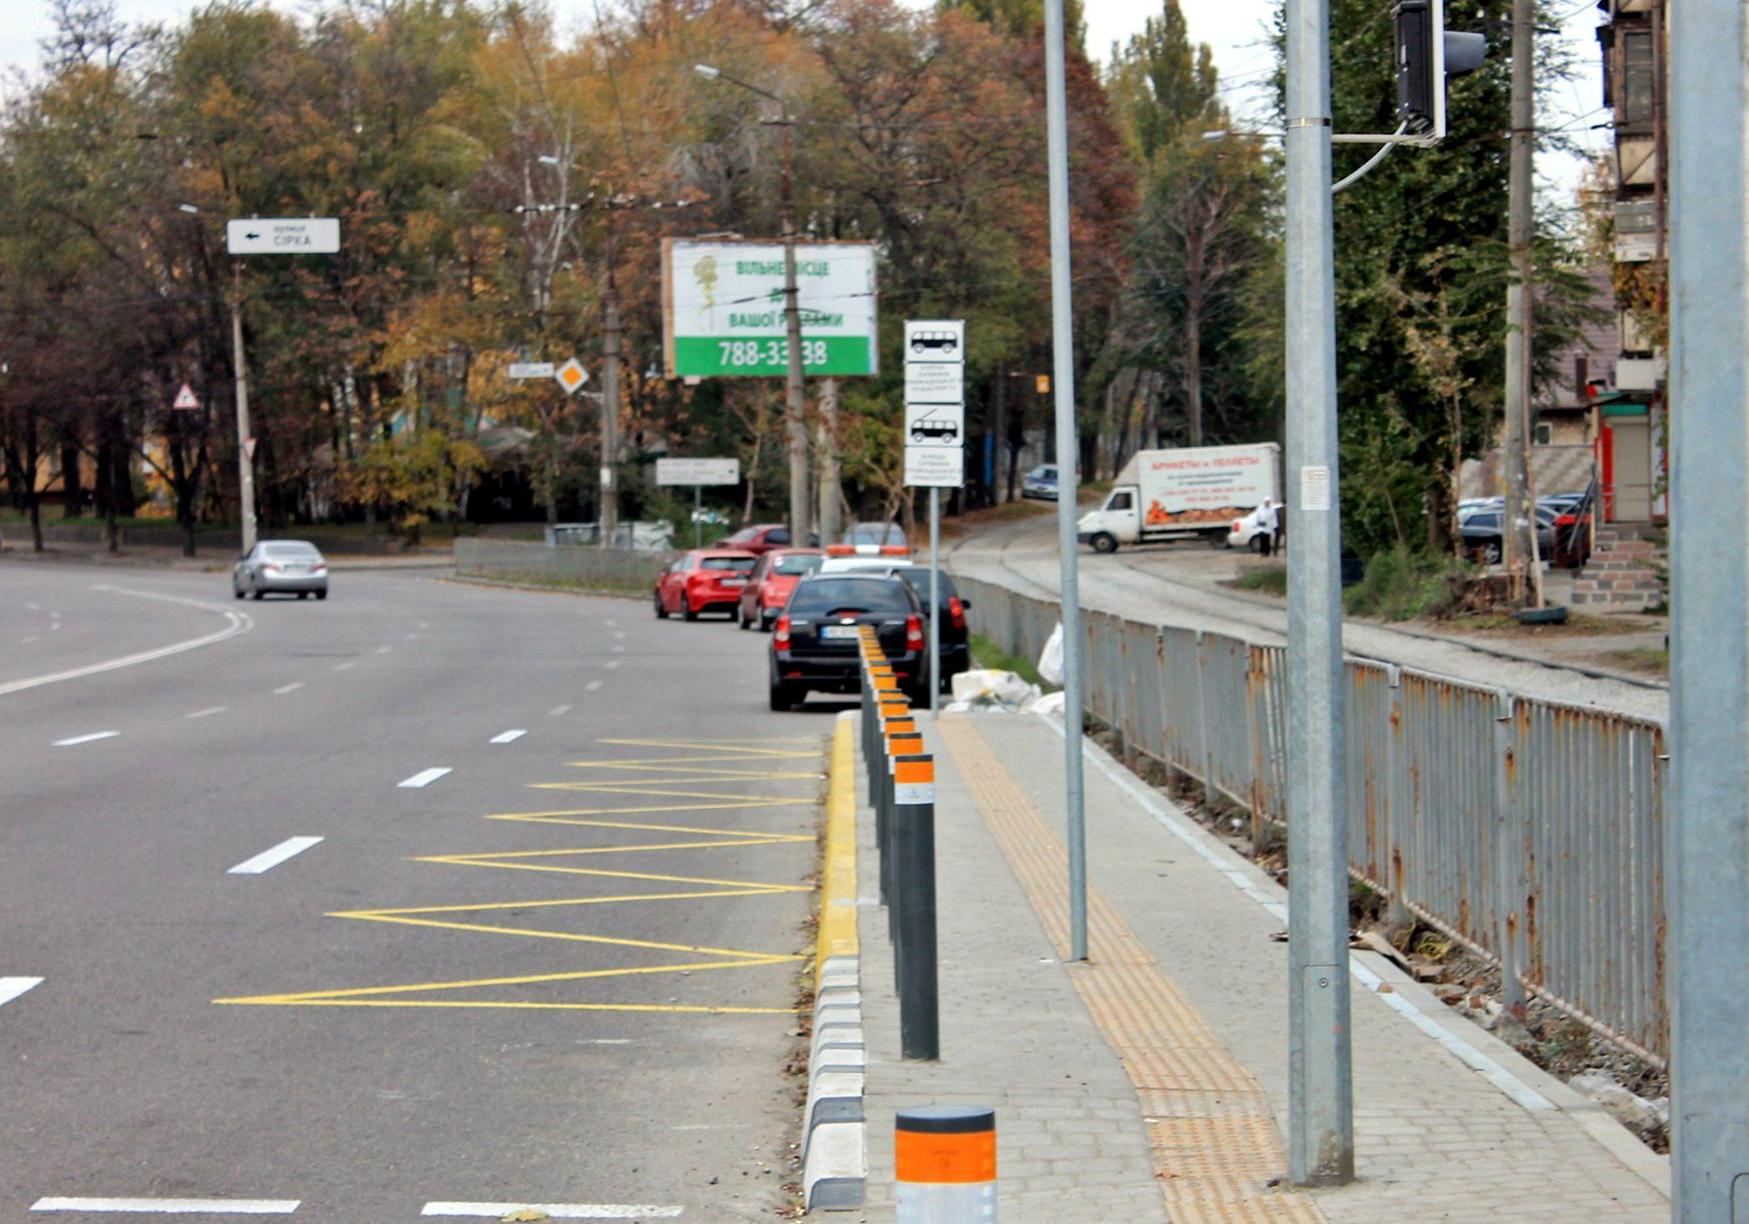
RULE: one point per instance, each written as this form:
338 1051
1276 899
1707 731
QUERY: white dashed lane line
347 666
169 1206
384 649
425 777
508 737
559 711
592 686
273 857
555 1211
283 689
12 987
206 713
74 740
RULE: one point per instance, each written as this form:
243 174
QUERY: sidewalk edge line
835 1129
1510 1072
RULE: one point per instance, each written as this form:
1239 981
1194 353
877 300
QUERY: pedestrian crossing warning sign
185 400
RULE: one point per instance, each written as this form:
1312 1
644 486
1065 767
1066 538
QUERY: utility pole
245 442
610 378
1707 825
1518 521
795 396
826 447
1320 1067
1063 366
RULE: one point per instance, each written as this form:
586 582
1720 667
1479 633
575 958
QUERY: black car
955 645
815 644
1481 533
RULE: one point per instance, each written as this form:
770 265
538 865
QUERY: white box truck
1184 493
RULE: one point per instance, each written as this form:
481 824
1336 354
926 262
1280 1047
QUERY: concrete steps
1624 572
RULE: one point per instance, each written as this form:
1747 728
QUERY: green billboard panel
723 309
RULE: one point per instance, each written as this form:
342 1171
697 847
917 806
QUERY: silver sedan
293 566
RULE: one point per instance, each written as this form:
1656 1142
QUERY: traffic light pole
1708 801
1320 1070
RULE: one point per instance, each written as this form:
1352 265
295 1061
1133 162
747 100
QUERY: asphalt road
562 973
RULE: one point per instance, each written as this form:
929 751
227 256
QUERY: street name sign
723 309
532 369
698 471
935 402
283 236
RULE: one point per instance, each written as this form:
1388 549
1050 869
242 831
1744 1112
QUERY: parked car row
1563 528
813 602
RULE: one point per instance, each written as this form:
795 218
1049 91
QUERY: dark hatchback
815 642
956 650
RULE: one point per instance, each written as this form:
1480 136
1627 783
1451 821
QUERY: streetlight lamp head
707 72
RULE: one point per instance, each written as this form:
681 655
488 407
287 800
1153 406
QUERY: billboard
723 309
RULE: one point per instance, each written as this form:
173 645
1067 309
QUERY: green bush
1401 585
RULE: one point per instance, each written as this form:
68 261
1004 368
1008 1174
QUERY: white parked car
293 567
1247 532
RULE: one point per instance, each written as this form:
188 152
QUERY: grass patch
988 655
1647 660
1402 585
1270 579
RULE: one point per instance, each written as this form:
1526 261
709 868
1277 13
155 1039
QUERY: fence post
1203 739
1397 798
1508 855
914 903
903 741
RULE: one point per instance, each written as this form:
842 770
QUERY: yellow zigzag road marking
693 838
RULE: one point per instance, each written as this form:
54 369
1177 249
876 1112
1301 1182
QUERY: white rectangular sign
283 236
531 369
935 382
698 471
939 467
935 340
935 425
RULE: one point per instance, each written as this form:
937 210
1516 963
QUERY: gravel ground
1180 584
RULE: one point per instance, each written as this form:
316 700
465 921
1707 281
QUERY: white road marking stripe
293 687
612 663
508 737
171 1206
271 858
384 649
592 686
85 739
620 633
33 607
557 1211
12 987
240 622
412 636
425 624
612 624
347 666
425 777
206 713
619 650
556 711
32 638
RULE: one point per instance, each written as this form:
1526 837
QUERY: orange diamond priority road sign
571 376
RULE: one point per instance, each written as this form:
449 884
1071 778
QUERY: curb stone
835 1132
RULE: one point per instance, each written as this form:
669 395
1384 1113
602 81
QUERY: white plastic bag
1050 663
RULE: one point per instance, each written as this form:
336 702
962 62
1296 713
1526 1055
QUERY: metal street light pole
795 394
245 461
1517 524
1063 367
1708 803
1320 1070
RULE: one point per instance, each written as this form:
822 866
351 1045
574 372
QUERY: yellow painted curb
838 880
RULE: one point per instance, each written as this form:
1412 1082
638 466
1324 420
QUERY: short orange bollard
945 1160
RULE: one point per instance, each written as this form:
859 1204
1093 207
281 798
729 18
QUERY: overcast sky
1236 29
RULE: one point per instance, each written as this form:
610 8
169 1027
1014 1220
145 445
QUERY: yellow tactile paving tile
1208 1121
719 761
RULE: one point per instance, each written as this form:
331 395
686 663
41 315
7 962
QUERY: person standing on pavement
1268 523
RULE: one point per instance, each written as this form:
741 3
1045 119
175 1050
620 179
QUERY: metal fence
513 561
1531 832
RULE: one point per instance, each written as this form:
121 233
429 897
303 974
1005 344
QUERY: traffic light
1426 55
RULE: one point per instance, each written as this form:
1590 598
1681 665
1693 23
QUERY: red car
761 538
704 580
771 581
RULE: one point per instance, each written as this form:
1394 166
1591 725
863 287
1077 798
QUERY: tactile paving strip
1208 1122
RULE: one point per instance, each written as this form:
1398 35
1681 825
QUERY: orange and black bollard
945 1160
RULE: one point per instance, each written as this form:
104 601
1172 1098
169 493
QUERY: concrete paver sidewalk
1151 1084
